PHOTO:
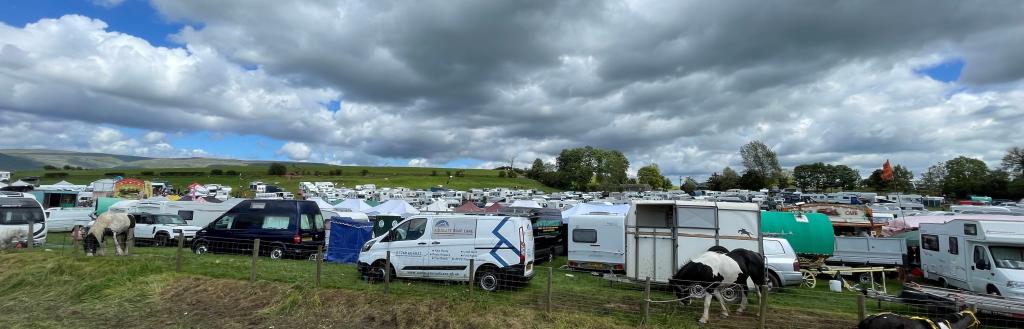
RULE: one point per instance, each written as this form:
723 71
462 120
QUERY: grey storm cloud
678 83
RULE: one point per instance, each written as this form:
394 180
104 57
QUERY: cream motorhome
661 236
984 256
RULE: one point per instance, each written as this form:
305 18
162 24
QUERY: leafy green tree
589 168
1013 162
730 179
666 183
759 158
277 169
902 179
689 185
650 175
965 176
751 180
536 170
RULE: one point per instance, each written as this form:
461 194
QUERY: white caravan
17 210
440 246
661 236
984 256
597 242
195 213
65 219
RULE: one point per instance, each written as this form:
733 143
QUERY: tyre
991 290
375 273
773 282
489 280
161 240
200 248
276 252
943 283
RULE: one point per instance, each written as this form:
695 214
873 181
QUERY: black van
286 228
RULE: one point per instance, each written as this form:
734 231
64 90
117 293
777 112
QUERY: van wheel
489 280
992 290
376 272
276 252
161 240
200 248
943 283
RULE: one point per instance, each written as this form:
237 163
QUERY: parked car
783 266
286 229
440 247
162 229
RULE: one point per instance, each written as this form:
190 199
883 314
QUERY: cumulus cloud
679 83
295 151
154 136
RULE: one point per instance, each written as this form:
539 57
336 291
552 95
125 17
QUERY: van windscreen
20 215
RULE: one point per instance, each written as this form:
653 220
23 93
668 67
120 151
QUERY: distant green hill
18 159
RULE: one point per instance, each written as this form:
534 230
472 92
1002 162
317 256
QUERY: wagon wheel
809 280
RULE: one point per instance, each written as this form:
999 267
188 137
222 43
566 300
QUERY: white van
984 256
17 210
597 242
64 219
440 246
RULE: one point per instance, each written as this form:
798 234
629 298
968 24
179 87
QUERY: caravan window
584 235
954 246
185 214
695 217
971 229
930 242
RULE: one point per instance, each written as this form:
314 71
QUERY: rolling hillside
15 159
238 173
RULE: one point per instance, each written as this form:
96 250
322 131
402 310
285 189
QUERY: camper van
64 219
597 242
439 247
17 210
984 256
285 228
661 236
195 213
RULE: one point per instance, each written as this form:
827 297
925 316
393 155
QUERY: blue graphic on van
502 241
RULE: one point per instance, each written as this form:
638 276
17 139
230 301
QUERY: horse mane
719 249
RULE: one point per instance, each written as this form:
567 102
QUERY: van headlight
367 245
1015 284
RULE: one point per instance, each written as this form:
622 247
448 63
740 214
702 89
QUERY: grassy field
411 177
59 287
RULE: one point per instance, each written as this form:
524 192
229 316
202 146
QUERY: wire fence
549 288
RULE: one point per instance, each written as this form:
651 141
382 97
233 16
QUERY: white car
440 247
162 229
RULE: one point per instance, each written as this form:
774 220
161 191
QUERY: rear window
772 247
584 235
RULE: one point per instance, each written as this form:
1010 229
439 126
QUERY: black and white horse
962 320
715 270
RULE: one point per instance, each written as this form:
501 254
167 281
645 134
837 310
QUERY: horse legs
743 299
721 301
707 305
117 246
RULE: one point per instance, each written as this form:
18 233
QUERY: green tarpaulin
809 234
103 203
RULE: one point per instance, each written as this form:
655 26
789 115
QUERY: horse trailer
663 235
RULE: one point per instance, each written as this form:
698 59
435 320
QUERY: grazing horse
117 223
962 320
715 269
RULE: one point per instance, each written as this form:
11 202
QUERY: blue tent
347 238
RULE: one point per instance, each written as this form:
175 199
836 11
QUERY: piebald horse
716 269
117 223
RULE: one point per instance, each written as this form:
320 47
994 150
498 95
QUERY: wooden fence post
319 263
387 271
74 247
763 305
255 253
177 256
861 311
647 302
551 274
31 236
472 275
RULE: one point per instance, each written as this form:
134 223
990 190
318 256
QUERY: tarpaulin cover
103 203
810 234
347 238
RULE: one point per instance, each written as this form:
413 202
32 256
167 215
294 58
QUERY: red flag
887 171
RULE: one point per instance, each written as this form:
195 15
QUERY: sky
680 84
